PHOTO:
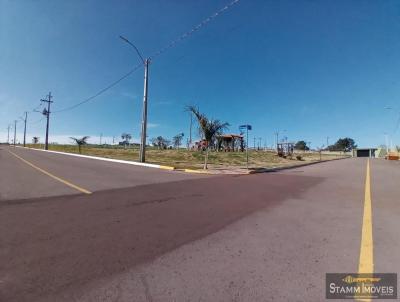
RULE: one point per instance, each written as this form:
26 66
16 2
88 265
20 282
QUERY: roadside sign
247 128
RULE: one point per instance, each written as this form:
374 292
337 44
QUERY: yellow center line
51 175
366 263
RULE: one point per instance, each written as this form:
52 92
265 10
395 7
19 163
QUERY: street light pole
15 131
247 147
387 142
8 134
144 113
146 62
190 132
26 118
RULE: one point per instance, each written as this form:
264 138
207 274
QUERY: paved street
144 234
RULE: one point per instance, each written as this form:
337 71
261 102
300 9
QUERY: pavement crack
160 200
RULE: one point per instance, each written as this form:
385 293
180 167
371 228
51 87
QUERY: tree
208 128
301 145
126 138
343 144
160 142
177 140
35 139
80 141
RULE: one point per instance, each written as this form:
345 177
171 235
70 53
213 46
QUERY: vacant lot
195 159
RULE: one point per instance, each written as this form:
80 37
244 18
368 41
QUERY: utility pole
26 118
8 134
46 112
386 142
277 139
327 142
144 113
15 131
190 132
101 136
247 147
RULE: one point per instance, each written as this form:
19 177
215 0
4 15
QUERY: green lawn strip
192 159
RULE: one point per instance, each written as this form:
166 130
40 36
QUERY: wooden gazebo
230 142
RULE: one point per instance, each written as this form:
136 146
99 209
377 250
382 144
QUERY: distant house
224 142
230 142
200 145
364 152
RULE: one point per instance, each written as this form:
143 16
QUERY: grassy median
194 159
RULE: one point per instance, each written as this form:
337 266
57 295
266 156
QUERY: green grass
191 159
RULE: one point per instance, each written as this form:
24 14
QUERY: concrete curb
196 171
170 168
134 163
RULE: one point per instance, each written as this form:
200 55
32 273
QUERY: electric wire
189 33
172 44
99 92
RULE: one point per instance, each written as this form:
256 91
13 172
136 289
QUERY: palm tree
35 139
209 129
160 142
177 140
80 141
126 137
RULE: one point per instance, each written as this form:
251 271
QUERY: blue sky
312 68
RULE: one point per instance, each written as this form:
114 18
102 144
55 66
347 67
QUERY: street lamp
395 129
277 138
146 62
386 141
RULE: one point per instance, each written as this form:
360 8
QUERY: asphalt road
150 235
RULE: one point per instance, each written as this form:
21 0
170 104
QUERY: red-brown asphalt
51 247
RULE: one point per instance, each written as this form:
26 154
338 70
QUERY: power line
36 122
101 91
36 108
172 44
194 29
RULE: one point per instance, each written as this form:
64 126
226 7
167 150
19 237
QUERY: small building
364 152
230 142
200 145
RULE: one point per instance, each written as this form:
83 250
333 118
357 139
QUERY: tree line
342 144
